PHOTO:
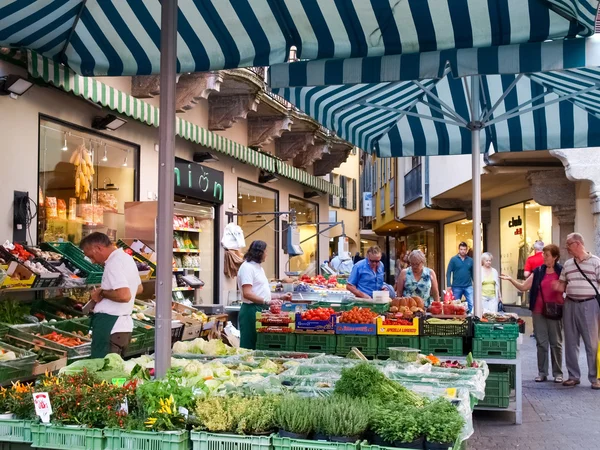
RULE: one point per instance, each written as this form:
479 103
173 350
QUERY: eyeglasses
416 265
570 243
374 261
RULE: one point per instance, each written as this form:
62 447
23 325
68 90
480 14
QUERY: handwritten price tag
43 407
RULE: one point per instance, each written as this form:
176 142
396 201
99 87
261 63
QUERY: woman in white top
490 285
256 292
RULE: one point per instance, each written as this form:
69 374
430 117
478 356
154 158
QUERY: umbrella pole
475 127
166 185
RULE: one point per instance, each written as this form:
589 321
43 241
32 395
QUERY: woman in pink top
547 331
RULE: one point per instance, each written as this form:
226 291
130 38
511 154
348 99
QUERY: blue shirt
461 272
364 279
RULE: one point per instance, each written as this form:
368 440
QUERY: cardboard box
398 330
315 325
356 328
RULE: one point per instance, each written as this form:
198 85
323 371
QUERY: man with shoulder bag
580 279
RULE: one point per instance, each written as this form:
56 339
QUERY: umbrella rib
409 113
515 111
61 55
502 97
399 118
427 92
441 111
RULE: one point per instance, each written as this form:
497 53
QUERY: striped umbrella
116 37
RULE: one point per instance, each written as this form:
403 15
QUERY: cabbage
212 385
180 348
215 347
91 365
268 366
112 361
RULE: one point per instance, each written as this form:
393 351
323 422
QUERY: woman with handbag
546 307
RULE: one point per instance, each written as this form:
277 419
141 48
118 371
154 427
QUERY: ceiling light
65 148
109 122
14 85
125 161
201 157
254 201
105 157
266 177
240 196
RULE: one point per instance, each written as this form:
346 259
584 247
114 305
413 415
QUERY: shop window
424 240
263 227
307 215
454 234
520 226
84 181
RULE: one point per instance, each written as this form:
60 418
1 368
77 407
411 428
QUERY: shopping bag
233 237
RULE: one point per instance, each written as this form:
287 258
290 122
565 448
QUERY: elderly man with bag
580 279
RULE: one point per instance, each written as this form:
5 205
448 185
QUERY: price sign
184 411
119 382
43 407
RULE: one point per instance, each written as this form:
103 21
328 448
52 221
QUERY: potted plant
5 405
345 419
442 424
258 416
397 426
19 401
321 412
295 417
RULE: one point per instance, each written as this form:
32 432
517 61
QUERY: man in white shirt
112 324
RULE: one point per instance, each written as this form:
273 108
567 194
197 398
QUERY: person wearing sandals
548 331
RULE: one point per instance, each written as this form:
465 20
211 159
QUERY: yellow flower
150 422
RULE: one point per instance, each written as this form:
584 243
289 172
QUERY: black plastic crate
439 329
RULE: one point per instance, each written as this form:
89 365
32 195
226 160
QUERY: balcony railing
413 188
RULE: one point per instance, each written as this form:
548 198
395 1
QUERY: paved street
554 417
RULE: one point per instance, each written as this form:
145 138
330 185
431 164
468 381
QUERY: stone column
583 164
553 188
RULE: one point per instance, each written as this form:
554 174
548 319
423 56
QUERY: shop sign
367 204
198 181
515 222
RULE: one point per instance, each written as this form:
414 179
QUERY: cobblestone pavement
554 417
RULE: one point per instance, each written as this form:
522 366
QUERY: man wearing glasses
580 279
367 276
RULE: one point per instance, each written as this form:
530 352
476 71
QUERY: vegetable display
12 311
61 339
358 315
318 314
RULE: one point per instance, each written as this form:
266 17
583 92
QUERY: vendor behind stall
256 292
367 276
112 324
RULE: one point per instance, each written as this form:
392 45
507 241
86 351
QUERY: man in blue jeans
459 276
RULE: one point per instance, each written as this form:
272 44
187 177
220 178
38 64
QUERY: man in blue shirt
459 276
367 276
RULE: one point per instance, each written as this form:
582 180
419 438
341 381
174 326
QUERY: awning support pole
475 127
166 185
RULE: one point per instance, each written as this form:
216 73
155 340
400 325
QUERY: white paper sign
183 411
124 406
43 407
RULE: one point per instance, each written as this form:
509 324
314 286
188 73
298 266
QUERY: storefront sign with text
198 181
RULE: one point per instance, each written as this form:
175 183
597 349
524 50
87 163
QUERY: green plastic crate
213 441
367 344
379 308
494 348
442 345
14 446
284 443
66 438
276 341
75 255
15 431
384 342
504 331
497 388
17 368
316 343
117 439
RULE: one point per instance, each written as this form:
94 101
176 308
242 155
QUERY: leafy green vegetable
91 365
441 422
112 361
394 423
12 311
365 381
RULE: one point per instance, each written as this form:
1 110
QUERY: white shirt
252 273
120 271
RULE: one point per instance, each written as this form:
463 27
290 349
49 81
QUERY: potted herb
398 426
295 417
258 417
442 424
345 419
321 411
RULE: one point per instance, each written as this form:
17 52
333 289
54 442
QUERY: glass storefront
256 199
307 215
520 226
424 240
454 234
84 181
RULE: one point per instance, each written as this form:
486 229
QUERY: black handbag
553 310
588 280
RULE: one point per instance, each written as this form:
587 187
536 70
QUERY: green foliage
441 422
150 393
12 311
343 416
296 414
395 423
365 381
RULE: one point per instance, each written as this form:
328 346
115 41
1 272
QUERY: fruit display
407 307
317 314
447 309
393 321
84 171
358 315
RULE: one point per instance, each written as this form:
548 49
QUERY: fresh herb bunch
150 393
365 381
396 423
259 417
12 311
344 416
296 414
441 422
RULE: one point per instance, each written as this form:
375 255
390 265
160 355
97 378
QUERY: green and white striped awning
109 97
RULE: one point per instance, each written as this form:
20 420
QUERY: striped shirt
578 288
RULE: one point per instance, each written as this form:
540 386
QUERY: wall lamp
108 122
204 157
266 177
14 85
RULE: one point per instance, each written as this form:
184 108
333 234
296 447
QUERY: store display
84 171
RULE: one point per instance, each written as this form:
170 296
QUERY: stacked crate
444 337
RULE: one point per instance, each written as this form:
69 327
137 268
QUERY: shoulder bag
588 280
552 310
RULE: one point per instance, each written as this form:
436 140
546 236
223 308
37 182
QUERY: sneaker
541 379
571 383
558 379
596 385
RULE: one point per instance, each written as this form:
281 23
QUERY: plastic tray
497 388
494 348
504 331
93 272
15 431
117 439
17 368
319 343
27 332
284 443
211 441
385 342
66 438
442 345
366 344
436 329
276 341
